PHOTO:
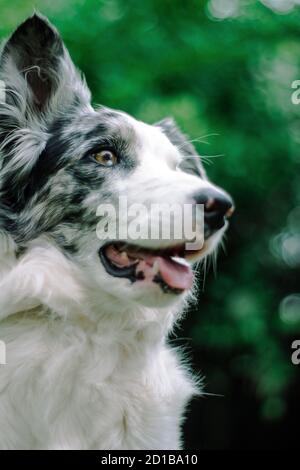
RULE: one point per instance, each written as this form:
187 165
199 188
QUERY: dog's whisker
198 139
209 394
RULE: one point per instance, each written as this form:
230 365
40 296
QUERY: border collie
85 320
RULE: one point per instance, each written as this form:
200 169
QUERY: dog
85 320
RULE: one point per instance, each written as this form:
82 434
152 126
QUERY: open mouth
167 267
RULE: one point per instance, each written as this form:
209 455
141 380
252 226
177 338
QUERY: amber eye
106 158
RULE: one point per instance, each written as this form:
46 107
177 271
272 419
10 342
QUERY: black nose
218 206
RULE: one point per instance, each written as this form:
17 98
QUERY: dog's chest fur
73 386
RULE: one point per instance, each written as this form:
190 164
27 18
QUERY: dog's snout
218 206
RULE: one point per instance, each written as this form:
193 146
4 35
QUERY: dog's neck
43 285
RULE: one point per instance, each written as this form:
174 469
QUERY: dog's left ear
37 71
191 162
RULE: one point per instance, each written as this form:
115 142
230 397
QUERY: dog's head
61 160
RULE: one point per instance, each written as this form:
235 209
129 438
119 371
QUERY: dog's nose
218 206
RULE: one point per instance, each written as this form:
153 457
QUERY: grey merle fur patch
48 134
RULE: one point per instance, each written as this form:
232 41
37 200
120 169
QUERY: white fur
88 364
100 379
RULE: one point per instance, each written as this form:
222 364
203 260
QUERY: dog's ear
38 74
191 162
174 134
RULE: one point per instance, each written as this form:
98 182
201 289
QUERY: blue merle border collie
85 322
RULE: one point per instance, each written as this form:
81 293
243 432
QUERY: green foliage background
228 84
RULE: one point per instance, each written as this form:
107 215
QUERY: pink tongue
176 275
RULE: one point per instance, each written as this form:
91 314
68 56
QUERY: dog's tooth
178 260
155 267
124 257
229 212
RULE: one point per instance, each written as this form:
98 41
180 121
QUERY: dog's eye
106 158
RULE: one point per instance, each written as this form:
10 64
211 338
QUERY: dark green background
228 84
